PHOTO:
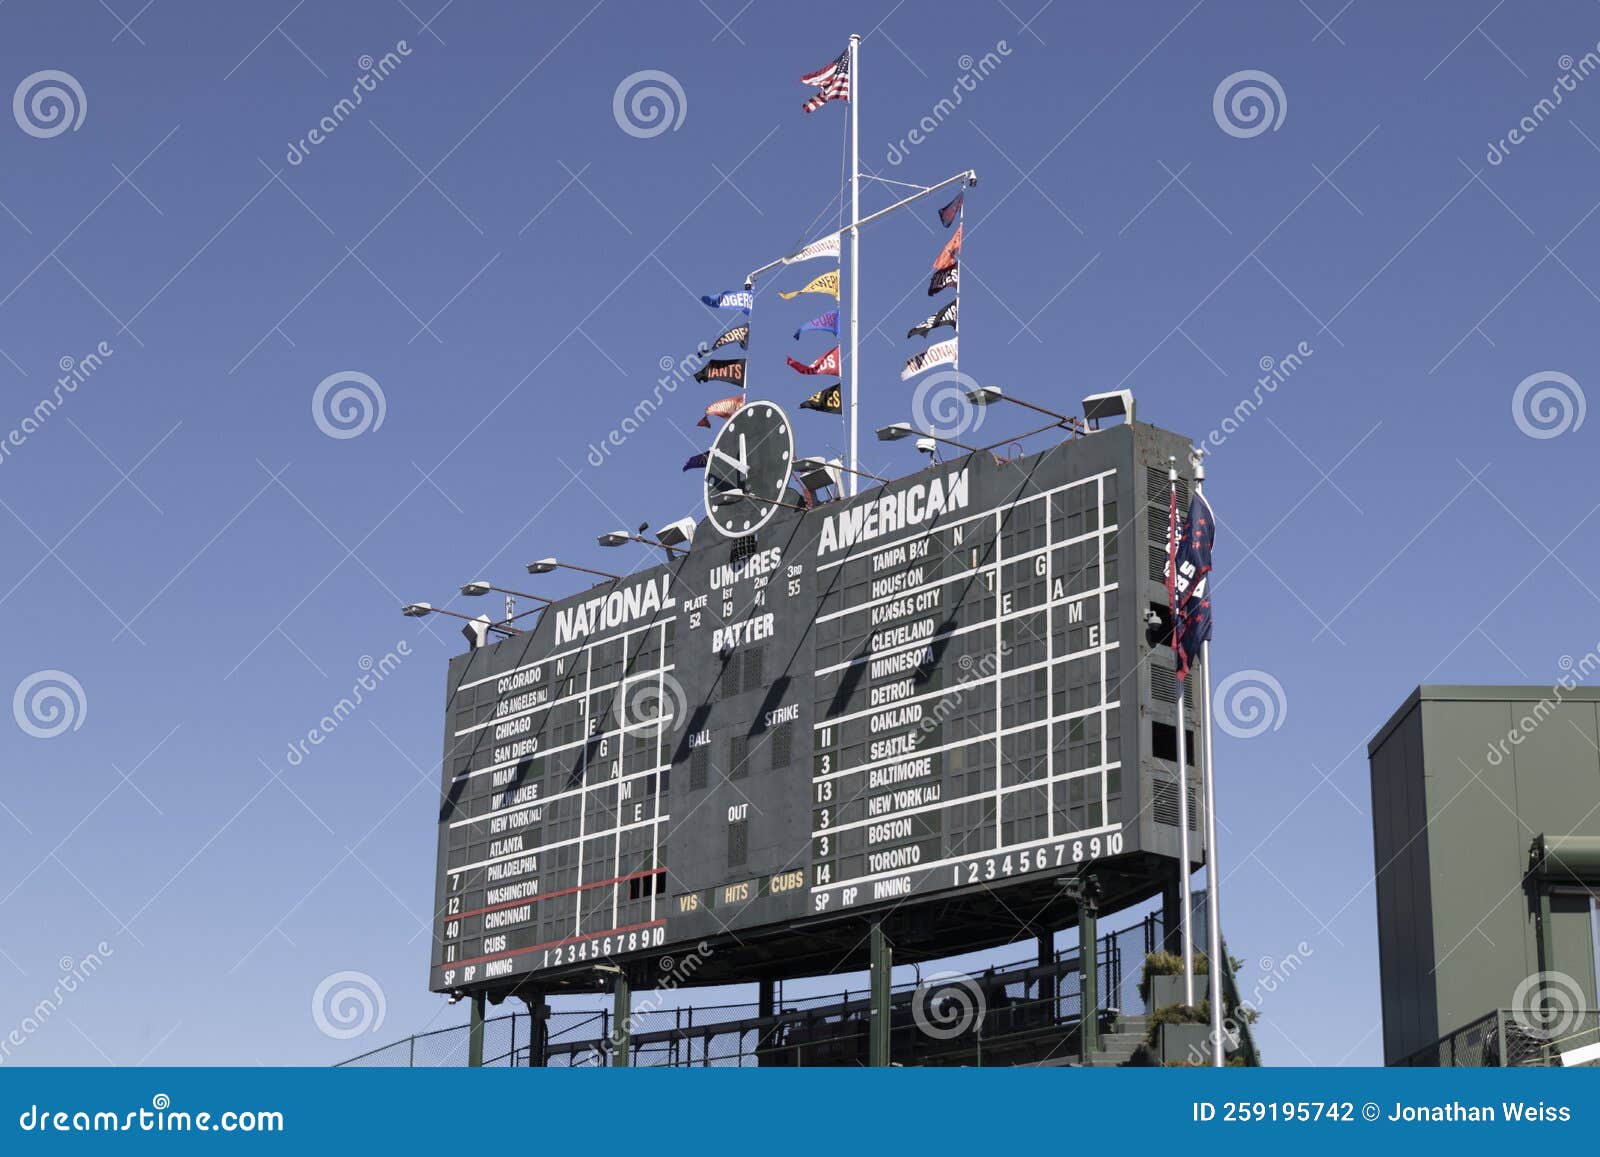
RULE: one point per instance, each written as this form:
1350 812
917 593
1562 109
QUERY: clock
751 455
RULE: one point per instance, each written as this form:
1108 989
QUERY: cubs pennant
826 401
944 279
833 81
730 370
935 355
724 409
827 247
731 299
825 283
739 333
946 316
827 323
828 363
952 250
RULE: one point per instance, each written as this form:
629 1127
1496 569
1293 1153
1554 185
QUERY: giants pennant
828 363
727 370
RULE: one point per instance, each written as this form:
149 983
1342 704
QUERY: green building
1486 835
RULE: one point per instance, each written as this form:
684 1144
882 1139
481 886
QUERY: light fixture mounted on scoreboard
747 469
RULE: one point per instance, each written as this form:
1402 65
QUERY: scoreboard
930 704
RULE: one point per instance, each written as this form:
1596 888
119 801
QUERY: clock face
752 454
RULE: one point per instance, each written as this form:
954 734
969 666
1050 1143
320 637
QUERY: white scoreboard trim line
552 704
942 524
554 655
1008 850
542 848
986 737
562 795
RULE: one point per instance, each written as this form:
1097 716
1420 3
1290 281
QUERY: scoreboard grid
962 646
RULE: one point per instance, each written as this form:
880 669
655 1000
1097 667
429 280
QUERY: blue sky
483 240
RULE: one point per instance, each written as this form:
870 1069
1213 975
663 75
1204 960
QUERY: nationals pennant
946 316
730 370
827 323
935 355
724 409
826 401
827 247
698 462
826 283
944 278
951 251
731 299
833 80
828 363
948 215
739 333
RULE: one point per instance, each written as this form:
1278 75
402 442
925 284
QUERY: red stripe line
558 892
554 943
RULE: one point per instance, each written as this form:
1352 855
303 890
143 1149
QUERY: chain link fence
1516 1038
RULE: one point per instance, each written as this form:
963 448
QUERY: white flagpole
855 255
1213 876
1186 919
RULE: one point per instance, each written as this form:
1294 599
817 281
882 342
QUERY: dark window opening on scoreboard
641 887
1164 743
739 757
738 843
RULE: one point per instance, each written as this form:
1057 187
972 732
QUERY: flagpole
855 255
1213 876
1186 918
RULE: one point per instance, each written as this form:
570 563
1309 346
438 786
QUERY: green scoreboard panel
937 697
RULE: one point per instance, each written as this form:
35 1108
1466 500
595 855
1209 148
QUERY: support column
475 1032
766 1009
1047 982
1171 914
878 1024
1088 970
622 1021
538 1031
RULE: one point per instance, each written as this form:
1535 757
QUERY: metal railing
1021 1013
1515 1038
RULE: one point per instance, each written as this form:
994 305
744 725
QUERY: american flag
833 81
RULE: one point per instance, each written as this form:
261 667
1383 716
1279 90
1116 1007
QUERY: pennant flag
724 409
698 462
1189 580
829 400
727 370
731 299
935 355
828 363
739 333
944 279
828 323
827 247
826 283
833 81
948 215
951 251
946 316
